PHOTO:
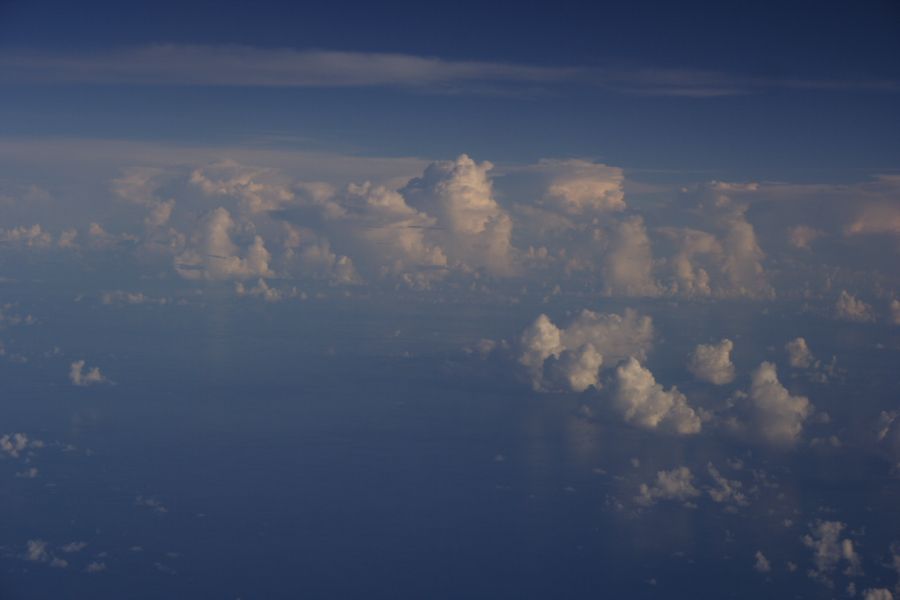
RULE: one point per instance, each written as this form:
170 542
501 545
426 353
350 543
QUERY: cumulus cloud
471 226
644 403
719 254
580 187
36 551
78 376
762 563
799 354
851 308
628 266
590 341
878 594
712 362
675 485
778 416
829 549
214 254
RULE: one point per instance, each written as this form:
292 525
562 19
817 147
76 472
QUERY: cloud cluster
570 358
675 485
829 549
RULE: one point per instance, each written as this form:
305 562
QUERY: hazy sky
415 300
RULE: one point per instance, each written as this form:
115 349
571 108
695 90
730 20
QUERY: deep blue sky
805 38
770 133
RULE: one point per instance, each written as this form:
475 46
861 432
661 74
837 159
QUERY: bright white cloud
712 362
214 254
778 416
580 187
590 341
644 403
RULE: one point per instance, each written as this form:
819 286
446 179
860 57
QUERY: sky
401 300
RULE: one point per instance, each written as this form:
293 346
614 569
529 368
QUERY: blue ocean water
352 449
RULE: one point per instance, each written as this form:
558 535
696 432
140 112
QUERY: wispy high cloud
233 65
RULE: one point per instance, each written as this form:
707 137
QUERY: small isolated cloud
36 551
675 485
799 354
829 549
712 362
95 567
850 308
151 503
644 403
78 376
778 416
73 547
762 563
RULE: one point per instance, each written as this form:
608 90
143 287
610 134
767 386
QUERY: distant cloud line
245 66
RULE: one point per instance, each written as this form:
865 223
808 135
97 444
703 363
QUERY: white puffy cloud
214 254
580 187
778 416
79 377
829 549
576 369
644 403
718 254
676 485
628 265
712 362
799 354
851 308
471 226
590 341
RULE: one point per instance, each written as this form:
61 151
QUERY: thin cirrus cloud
234 65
